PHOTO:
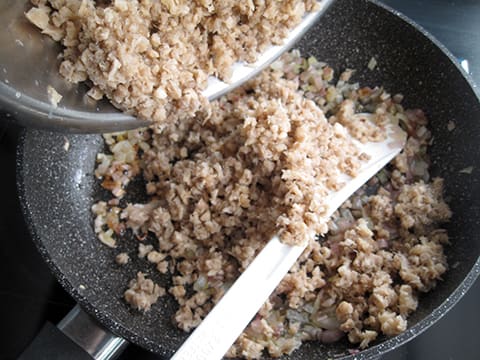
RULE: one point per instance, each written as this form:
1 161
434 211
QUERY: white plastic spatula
226 321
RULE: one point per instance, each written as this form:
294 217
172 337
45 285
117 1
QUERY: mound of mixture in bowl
152 58
220 185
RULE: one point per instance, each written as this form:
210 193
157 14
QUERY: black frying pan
57 187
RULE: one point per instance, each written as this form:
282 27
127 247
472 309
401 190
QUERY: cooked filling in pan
222 178
220 186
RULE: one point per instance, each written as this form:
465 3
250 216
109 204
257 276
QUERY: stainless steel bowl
29 61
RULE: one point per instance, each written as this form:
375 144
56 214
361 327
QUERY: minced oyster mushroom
153 58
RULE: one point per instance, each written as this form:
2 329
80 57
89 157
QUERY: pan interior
57 186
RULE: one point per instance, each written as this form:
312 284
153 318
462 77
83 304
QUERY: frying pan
57 188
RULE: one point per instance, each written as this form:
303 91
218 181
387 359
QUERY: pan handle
86 332
78 335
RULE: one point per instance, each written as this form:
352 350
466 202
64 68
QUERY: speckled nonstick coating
57 188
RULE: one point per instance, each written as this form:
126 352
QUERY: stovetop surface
29 295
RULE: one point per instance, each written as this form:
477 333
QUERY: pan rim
123 331
432 39
102 317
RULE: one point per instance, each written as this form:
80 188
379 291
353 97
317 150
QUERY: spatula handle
219 330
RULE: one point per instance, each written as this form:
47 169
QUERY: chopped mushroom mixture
153 58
